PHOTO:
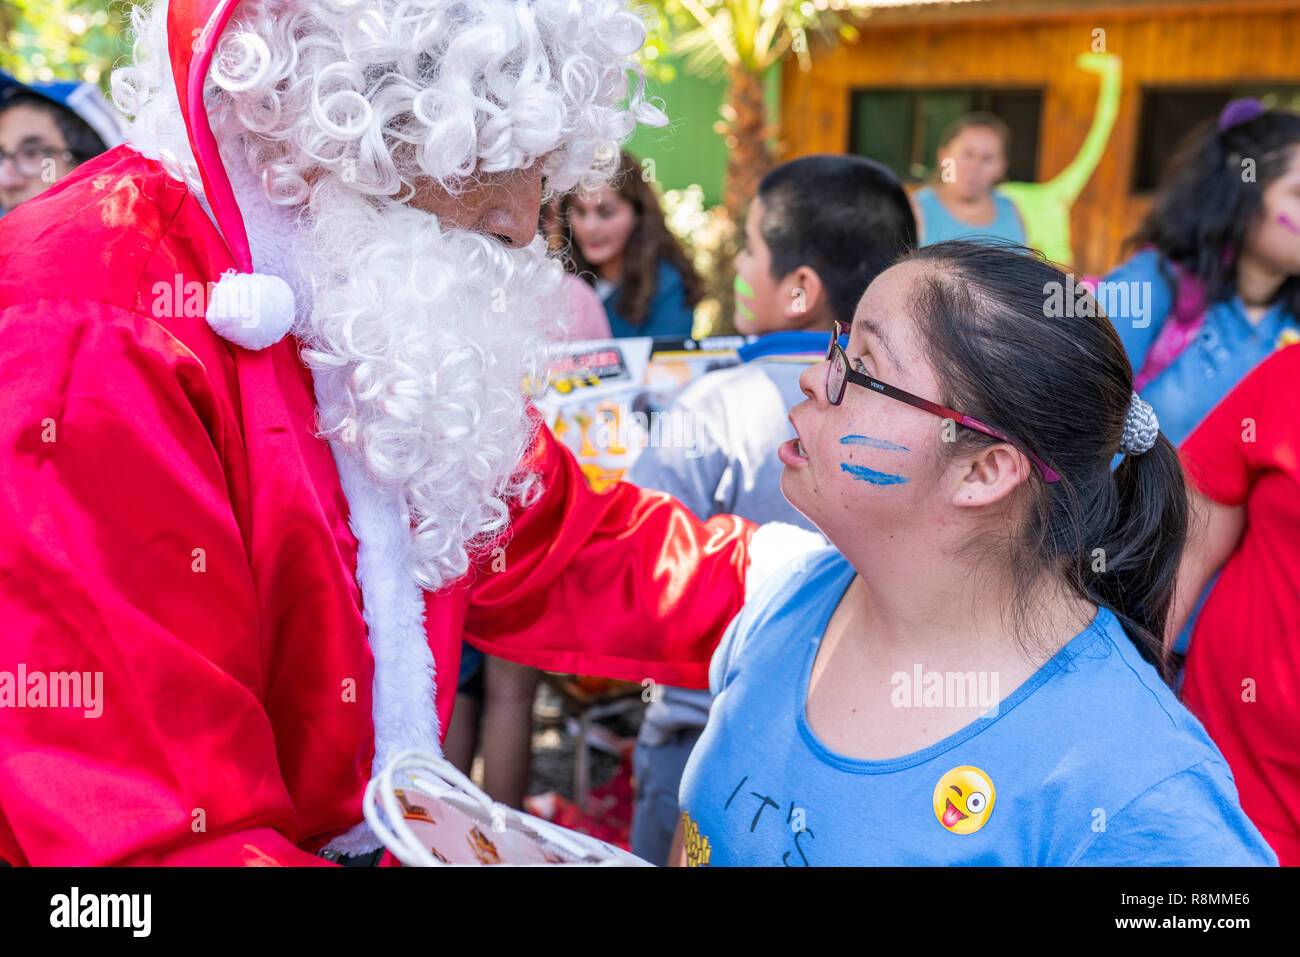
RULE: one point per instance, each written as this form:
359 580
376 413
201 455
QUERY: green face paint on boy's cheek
742 289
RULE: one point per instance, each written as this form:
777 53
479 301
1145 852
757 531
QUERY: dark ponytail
1142 551
1059 383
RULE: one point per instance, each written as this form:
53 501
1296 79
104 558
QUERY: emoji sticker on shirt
963 799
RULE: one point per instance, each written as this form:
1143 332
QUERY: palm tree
61 39
741 39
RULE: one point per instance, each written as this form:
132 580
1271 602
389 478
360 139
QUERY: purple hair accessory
1239 111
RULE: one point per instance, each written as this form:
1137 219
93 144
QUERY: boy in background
819 230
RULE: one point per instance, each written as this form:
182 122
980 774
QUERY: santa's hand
775 545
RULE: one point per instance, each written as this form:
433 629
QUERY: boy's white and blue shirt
1092 761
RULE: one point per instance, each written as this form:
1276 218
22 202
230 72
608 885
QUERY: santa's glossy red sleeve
625 583
121 562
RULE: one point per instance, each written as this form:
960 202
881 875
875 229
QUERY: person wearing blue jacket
1216 287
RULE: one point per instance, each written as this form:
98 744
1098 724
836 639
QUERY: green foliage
717 35
44 40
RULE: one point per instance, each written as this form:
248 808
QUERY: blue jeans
658 772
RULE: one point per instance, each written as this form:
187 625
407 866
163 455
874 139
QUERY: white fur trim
404 712
774 545
253 310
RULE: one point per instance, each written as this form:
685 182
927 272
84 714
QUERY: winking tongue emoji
963 799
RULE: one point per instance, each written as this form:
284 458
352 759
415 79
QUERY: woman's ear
991 475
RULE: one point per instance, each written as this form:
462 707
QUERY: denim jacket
668 314
1227 347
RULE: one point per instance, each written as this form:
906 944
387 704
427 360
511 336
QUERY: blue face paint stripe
871 475
873 443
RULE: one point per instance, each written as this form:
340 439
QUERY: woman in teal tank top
962 205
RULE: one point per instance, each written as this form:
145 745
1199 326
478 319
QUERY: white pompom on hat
252 310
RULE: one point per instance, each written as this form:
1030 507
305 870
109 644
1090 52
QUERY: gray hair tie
1140 427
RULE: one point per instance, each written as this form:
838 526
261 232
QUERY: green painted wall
687 150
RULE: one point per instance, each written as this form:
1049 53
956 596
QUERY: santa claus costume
253 514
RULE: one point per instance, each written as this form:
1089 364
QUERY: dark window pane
1020 110
901 128
1168 115
881 121
1165 119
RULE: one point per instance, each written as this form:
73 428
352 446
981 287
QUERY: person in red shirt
1242 675
265 458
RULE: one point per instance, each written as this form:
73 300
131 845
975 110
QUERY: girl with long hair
619 242
1215 287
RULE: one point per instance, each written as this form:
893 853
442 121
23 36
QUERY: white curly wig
379 92
418 335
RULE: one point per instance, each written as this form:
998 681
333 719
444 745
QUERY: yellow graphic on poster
696 845
608 400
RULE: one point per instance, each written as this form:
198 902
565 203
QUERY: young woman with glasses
973 674
42 140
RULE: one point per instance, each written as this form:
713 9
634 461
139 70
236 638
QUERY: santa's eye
976 802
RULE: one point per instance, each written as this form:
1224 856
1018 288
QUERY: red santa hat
249 309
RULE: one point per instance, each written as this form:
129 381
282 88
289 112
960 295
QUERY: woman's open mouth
792 453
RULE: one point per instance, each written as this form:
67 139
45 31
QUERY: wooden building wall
1241 42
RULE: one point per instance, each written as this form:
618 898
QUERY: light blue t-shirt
1226 349
939 225
1092 761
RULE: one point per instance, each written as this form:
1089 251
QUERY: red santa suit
172 525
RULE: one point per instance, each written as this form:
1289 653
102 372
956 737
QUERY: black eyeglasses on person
30 158
840 375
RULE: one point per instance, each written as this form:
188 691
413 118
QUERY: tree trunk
745 131
746 134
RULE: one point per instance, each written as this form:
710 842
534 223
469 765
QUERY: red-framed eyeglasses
840 375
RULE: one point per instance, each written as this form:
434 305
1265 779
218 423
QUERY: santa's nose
518 232
512 217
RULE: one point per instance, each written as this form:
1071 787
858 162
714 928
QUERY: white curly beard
420 341
330 111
